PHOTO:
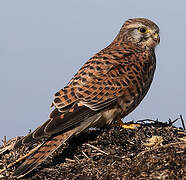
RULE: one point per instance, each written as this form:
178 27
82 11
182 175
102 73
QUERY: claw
128 126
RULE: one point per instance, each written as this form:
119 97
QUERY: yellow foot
128 126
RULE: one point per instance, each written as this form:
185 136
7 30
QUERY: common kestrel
108 87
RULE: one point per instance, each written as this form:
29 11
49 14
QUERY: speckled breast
140 76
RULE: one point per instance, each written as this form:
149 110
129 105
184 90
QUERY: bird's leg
127 126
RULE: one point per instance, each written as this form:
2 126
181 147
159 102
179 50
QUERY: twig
150 120
69 160
20 159
76 158
85 154
6 148
164 146
182 122
170 122
182 133
174 121
4 141
96 149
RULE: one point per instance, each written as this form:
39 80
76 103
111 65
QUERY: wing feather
96 84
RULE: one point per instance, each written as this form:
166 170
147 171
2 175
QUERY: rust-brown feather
42 153
110 85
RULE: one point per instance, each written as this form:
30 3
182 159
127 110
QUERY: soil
155 150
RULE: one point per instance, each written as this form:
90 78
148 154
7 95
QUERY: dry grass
156 150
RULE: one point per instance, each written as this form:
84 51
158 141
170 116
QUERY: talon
128 126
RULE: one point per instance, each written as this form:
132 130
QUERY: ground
155 150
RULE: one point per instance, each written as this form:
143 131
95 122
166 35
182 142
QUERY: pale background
43 43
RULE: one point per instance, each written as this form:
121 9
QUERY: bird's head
139 31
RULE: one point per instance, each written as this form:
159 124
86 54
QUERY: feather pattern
109 86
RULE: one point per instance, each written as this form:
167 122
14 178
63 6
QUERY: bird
109 86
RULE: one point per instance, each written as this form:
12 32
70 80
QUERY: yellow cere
156 35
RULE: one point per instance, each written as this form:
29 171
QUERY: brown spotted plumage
108 87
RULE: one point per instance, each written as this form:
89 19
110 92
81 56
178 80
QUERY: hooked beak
156 37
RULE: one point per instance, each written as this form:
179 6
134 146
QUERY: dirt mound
153 151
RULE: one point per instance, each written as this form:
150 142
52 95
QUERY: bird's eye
142 30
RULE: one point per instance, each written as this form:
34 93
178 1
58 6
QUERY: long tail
67 124
42 153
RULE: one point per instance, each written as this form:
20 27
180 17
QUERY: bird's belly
106 117
132 98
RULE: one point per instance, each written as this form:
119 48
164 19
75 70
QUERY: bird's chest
138 78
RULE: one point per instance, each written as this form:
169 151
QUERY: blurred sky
43 43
